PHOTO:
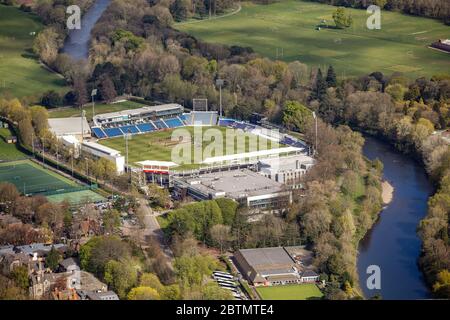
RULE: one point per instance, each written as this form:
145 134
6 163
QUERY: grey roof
68 126
30 248
68 262
309 273
107 295
236 184
263 258
138 111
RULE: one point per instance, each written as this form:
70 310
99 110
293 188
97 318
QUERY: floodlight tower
315 119
127 136
93 94
219 83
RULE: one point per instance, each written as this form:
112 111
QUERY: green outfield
8 151
20 72
158 145
99 109
31 178
289 29
76 197
290 292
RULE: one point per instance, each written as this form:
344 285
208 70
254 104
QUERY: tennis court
30 178
77 197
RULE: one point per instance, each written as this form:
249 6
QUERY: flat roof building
69 127
272 266
139 114
244 186
287 170
101 151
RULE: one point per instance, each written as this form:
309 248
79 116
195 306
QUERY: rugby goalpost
200 104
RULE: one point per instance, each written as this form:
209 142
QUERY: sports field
30 178
99 109
290 292
20 73
77 197
158 145
8 152
289 28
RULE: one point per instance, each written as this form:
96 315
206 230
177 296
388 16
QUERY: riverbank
387 192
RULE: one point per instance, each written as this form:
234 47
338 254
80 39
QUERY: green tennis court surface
77 197
30 178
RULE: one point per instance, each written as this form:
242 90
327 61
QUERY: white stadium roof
254 154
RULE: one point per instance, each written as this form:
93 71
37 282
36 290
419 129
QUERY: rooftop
236 184
30 249
264 258
134 112
68 126
289 162
101 148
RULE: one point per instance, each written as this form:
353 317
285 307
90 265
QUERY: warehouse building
274 266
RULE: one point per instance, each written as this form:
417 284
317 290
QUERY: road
152 228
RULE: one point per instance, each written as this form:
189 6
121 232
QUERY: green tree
331 77
212 291
111 220
143 293
53 258
296 116
228 207
341 19
121 276
20 277
192 270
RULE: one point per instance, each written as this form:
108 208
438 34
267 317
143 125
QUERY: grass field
400 45
20 73
8 152
290 292
99 109
76 197
30 178
158 145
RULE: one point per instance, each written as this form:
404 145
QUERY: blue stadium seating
146 127
226 122
98 132
204 118
159 124
113 132
129 129
173 123
187 118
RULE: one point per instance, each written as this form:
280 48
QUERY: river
393 243
77 42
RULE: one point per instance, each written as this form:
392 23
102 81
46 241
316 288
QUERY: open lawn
290 292
289 28
20 72
31 178
158 145
8 152
99 109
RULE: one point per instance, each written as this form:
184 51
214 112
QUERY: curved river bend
77 42
393 243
